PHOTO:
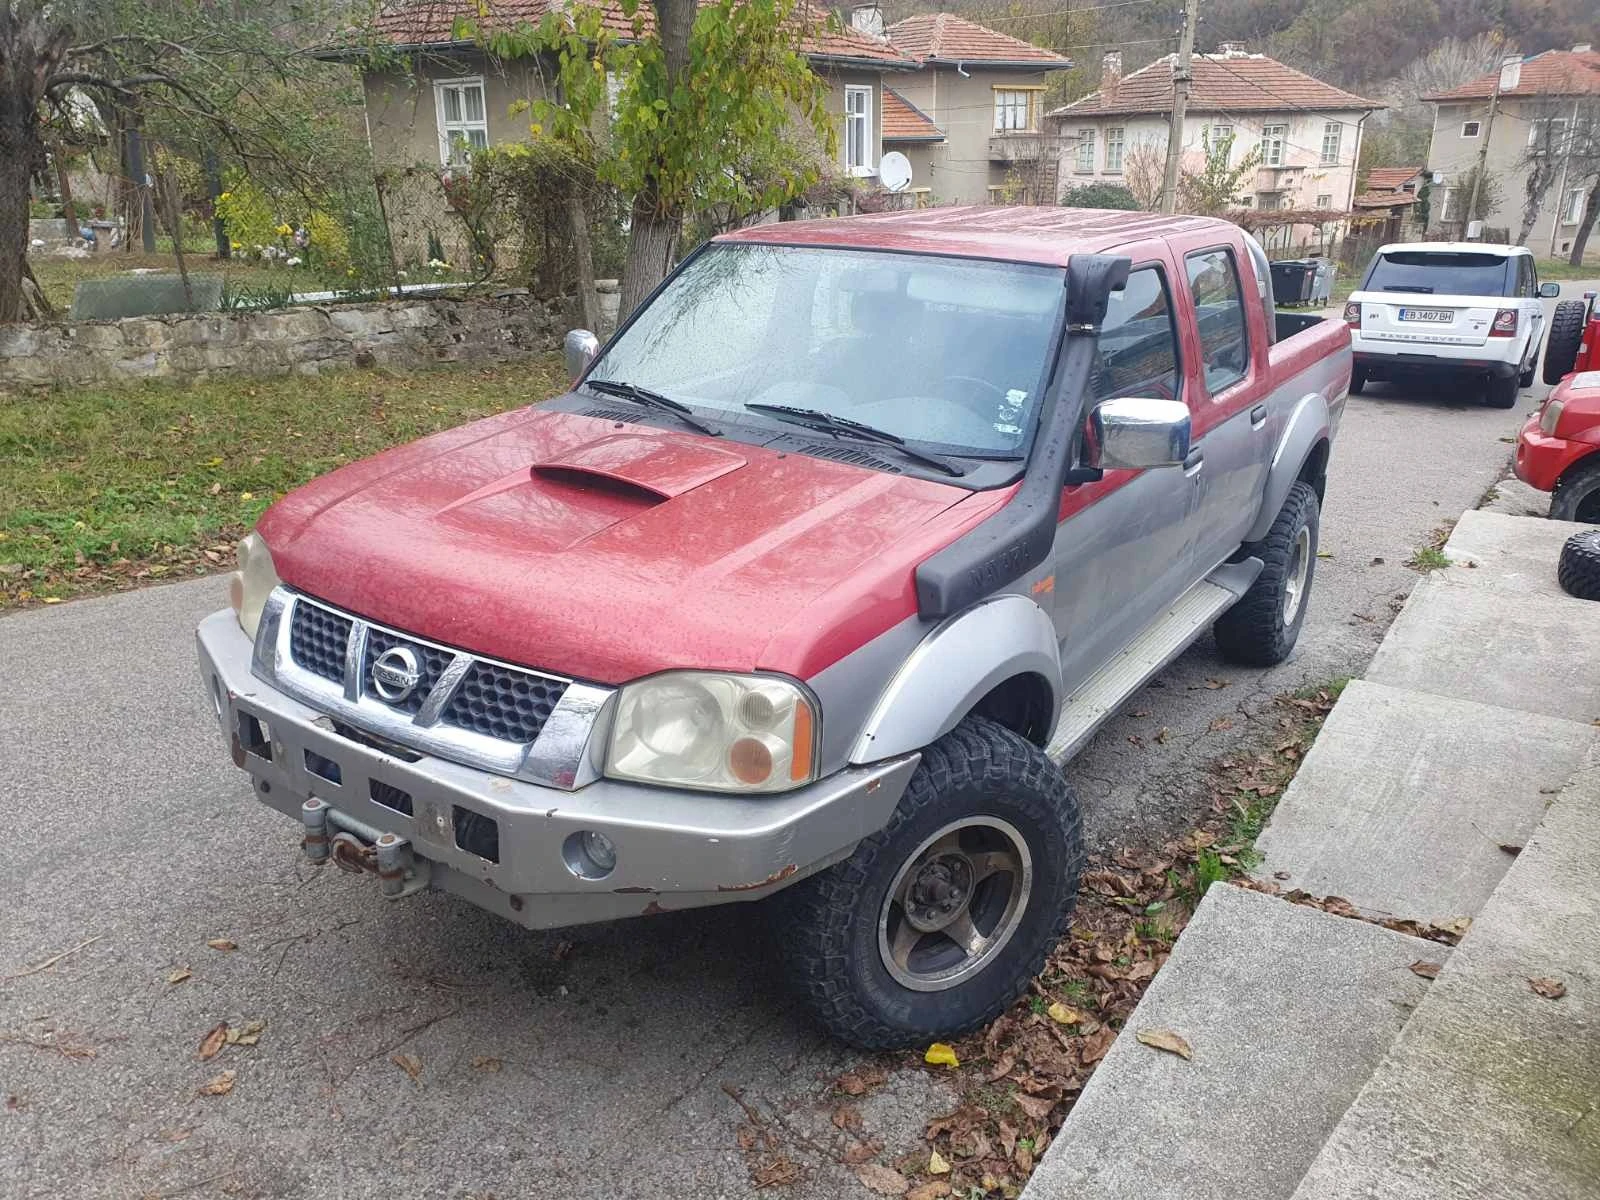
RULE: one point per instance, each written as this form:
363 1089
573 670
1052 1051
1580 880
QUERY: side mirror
580 349
1549 291
1136 433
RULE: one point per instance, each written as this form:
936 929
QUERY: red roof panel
945 37
1553 73
903 121
1228 83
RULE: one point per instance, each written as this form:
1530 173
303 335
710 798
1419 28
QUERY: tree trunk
69 211
1591 210
583 253
15 155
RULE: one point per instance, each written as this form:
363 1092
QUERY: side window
1219 310
1138 349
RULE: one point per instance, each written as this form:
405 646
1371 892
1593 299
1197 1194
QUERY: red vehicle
845 541
1559 448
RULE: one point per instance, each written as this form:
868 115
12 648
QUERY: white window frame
1083 154
449 130
1215 134
1006 110
1116 148
1574 209
1272 143
1475 126
858 119
1325 200
1447 197
1332 142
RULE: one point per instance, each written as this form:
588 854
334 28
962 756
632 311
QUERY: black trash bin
1292 280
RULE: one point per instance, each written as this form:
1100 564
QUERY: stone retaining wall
302 340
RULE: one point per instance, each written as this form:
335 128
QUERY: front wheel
936 923
1262 627
1577 494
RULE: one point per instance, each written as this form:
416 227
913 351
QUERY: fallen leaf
1324 554
746 1137
1511 850
14 1104
1001 1069
937 1164
216 1037
859 1082
1550 989
1163 735
1214 684
1165 1039
1062 1015
941 1054
886 1181
934 1189
486 1064
1037 1107
1428 970
1456 925
410 1064
220 1086
222 944
777 1173
1280 874
248 1035
178 975
862 1151
1221 723
1144 969
847 1117
1024 1160
175 1135
1096 1044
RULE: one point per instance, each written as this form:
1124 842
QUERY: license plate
1441 316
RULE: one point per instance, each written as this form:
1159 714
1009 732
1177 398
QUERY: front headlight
724 733
252 583
1550 417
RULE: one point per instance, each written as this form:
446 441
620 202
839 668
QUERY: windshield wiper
826 422
646 398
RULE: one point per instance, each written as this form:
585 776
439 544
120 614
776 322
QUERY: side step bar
1168 636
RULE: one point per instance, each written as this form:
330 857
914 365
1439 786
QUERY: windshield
1439 272
945 352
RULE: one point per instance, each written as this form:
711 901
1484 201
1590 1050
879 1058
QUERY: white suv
1465 309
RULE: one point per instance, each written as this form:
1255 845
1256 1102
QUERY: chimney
867 18
1231 49
1110 72
1510 72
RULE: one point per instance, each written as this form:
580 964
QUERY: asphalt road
586 1064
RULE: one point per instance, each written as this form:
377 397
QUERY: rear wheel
1261 629
1577 493
1358 380
1501 393
936 923
1566 334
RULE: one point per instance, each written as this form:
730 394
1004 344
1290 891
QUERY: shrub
1100 195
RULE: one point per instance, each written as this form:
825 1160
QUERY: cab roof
1011 233
1499 248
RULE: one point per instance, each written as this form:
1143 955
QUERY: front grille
431 661
317 640
499 702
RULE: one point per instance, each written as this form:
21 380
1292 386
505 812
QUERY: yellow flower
238 245
285 229
225 196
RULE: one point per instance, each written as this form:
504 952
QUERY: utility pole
1181 75
1488 131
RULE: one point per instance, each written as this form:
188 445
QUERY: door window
1137 354
1219 310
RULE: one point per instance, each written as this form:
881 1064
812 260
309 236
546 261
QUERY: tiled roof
1389 199
432 23
1226 83
947 38
1553 73
1391 178
903 121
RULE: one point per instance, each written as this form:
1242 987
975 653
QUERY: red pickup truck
830 557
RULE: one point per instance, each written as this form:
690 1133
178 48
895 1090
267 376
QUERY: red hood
609 551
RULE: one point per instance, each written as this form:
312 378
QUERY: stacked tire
1578 570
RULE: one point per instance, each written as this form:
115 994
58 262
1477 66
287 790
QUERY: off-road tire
1501 393
1577 493
1561 343
830 938
1358 380
1578 570
1253 632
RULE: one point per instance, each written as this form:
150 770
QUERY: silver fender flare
956 665
1308 424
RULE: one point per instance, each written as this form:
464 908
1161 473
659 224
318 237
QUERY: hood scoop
660 464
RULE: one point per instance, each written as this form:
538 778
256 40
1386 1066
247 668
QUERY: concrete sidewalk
1317 1074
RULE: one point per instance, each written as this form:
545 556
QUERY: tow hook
360 849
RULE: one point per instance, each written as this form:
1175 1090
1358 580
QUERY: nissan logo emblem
396 673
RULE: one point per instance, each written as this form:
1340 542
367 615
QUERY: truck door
1122 545
1231 447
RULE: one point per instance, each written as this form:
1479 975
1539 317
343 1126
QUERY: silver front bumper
674 849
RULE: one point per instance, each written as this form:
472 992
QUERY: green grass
107 488
1559 268
1427 558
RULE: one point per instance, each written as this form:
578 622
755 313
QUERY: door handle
1258 416
1194 461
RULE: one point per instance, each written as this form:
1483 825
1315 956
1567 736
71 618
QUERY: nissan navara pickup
845 541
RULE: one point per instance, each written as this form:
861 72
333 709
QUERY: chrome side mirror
1136 433
1549 291
580 349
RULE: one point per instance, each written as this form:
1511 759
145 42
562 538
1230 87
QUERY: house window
1272 137
1332 135
1114 145
1447 204
1270 202
1217 135
463 120
1083 162
1013 110
1325 201
1469 129
1547 137
858 130
1574 211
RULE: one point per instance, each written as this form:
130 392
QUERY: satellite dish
894 172
1438 176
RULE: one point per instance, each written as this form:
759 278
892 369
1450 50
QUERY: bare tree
1142 168
1541 162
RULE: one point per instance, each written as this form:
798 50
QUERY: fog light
589 855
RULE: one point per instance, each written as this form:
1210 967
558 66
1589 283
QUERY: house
970 119
1542 100
441 97
1307 133
1389 202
